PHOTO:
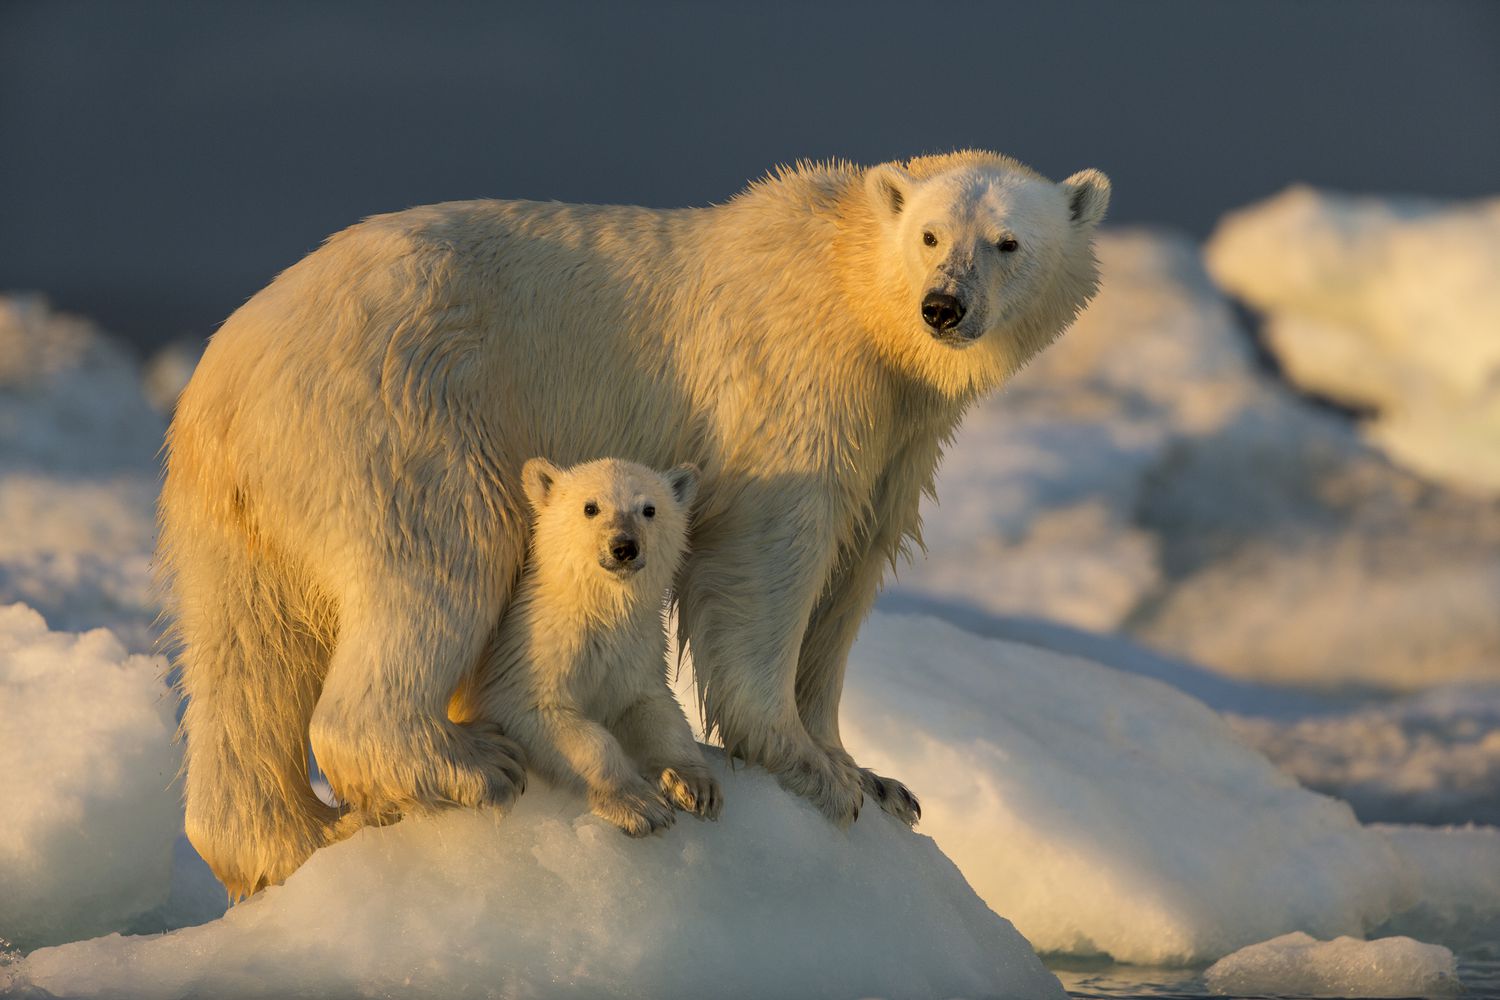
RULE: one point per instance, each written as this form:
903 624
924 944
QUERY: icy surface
1105 813
1145 474
86 777
1102 812
1300 965
548 901
1454 874
1428 758
1391 305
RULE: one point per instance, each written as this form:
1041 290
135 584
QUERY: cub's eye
1008 245
929 239
591 509
649 510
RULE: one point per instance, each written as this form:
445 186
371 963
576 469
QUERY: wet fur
342 521
576 672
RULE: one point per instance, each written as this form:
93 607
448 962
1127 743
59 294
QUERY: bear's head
610 522
979 263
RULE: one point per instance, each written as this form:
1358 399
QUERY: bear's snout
623 548
942 311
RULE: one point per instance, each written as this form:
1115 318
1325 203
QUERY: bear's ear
538 476
684 482
888 186
1088 196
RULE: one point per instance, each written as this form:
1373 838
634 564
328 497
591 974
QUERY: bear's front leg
744 629
380 731
567 748
820 676
845 602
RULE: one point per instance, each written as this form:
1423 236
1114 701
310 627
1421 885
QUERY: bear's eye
929 239
649 510
591 509
1008 245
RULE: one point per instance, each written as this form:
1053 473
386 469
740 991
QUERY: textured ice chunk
1300 965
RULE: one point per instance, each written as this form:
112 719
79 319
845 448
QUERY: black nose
942 311
623 548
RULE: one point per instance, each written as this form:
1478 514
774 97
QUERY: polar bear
576 671
342 521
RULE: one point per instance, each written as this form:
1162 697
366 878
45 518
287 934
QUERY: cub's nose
623 548
942 311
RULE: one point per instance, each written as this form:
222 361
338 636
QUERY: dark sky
160 162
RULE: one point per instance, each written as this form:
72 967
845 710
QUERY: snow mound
1103 812
548 901
86 774
1299 965
1145 475
1391 305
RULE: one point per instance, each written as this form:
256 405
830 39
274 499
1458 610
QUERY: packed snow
1388 305
1300 965
549 901
87 768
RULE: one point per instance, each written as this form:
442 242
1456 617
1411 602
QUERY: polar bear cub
576 671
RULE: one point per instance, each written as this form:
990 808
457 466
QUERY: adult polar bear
342 518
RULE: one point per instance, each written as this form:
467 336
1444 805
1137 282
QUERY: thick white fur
342 522
576 672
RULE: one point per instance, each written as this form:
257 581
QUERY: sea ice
78 474
1302 966
1387 304
1102 812
1454 873
87 769
1432 757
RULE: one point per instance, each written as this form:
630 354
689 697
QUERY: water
1103 980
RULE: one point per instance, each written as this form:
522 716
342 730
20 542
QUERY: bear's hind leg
381 730
250 663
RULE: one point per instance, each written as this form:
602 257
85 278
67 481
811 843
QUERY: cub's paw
692 789
638 812
894 797
828 783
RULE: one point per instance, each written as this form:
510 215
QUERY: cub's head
979 263
610 520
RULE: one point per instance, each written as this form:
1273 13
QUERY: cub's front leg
654 731
566 747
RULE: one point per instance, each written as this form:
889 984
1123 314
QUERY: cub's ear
684 482
1088 196
538 476
888 187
